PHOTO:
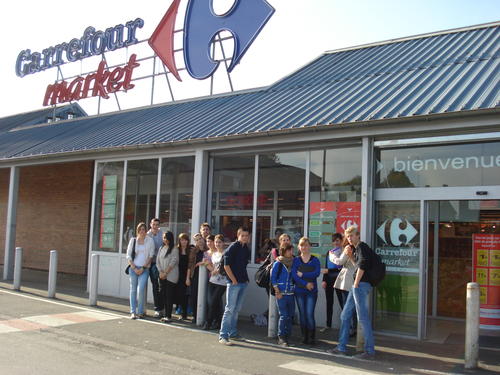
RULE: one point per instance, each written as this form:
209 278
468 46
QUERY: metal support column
366 214
199 216
10 227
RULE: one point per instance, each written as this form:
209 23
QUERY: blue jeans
306 302
137 281
234 301
286 308
357 300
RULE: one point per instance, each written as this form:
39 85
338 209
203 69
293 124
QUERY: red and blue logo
245 20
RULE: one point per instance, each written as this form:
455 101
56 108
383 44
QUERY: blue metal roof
432 74
40 116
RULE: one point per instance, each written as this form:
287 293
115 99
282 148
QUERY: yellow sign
495 258
482 258
495 277
482 276
484 294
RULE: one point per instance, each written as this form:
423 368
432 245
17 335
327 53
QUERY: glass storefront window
280 200
397 241
232 194
176 194
474 164
140 195
108 198
335 195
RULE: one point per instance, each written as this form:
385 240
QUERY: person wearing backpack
283 285
358 297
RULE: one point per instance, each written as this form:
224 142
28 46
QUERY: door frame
424 196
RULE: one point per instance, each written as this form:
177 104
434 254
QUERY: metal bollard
201 303
272 321
52 274
472 326
18 266
94 279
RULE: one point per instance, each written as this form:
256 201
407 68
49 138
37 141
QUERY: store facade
409 155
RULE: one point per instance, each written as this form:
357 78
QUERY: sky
297 33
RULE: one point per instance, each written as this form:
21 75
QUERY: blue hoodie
282 278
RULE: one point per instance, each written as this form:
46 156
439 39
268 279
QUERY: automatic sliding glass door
398 242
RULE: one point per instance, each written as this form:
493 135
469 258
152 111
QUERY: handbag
263 274
127 270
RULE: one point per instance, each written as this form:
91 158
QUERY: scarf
287 262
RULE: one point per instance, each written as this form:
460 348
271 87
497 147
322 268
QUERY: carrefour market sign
244 21
92 43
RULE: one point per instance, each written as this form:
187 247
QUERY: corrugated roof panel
446 72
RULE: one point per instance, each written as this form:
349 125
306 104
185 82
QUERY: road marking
309 367
32 323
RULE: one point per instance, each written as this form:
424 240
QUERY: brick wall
53 213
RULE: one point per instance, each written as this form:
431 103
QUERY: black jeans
153 276
330 300
167 292
214 302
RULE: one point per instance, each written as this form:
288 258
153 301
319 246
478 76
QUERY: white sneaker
157 314
224 341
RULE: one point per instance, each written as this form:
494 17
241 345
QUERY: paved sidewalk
393 354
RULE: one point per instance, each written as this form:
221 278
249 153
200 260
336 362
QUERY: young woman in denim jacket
305 270
284 287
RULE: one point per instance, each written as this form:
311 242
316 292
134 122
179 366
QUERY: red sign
101 83
317 207
486 272
348 214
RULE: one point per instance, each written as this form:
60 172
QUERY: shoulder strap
133 250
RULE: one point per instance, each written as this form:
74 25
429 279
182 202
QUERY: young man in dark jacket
357 300
236 259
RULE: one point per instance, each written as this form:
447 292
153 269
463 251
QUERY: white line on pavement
314 368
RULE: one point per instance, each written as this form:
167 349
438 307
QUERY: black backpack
376 273
263 274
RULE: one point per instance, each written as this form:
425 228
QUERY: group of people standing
173 268
294 280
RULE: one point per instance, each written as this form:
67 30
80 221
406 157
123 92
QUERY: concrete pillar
18 266
94 279
472 326
10 227
52 274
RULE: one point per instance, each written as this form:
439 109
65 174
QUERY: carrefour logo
397 235
244 21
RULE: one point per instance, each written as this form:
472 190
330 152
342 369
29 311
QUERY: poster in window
486 272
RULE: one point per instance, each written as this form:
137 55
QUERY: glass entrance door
452 227
398 242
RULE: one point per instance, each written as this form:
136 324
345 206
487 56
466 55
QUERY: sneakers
237 338
336 351
282 341
140 316
325 329
165 320
157 314
133 316
365 356
224 341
